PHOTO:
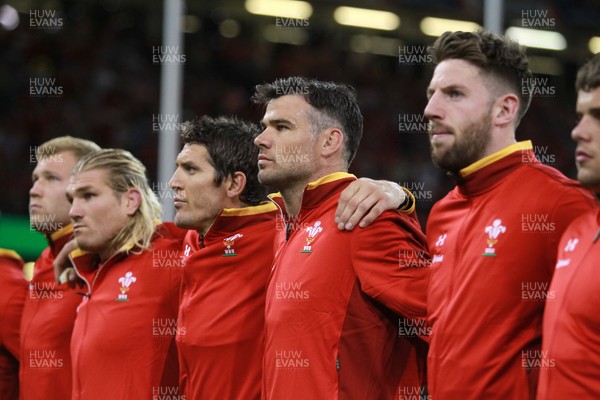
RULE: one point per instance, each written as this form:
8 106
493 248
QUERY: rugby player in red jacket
13 288
49 311
335 299
123 344
494 237
229 256
570 364
493 243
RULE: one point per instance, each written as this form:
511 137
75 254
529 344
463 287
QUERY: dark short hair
336 105
496 56
588 77
229 142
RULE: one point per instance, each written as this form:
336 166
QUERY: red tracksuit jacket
570 365
221 313
493 240
331 331
123 344
13 288
46 327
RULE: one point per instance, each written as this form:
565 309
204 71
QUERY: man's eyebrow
81 189
595 111
446 88
187 163
277 121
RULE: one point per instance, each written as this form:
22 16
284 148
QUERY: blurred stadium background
100 63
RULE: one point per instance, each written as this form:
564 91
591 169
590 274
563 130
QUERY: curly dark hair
497 56
336 105
229 142
588 76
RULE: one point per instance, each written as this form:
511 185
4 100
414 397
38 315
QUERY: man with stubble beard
493 238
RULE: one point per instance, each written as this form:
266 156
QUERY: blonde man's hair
125 172
79 147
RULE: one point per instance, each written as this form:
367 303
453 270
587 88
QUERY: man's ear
133 198
236 184
332 141
506 109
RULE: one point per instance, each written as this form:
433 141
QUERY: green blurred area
16 234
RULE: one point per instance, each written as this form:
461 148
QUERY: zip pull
337 364
288 230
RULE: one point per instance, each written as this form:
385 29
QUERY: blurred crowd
103 62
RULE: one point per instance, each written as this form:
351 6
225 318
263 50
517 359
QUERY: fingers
354 203
371 216
359 208
58 273
74 280
61 262
65 275
343 211
364 200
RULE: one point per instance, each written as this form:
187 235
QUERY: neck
105 255
51 236
229 203
500 139
292 197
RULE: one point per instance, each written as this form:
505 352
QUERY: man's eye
88 196
281 128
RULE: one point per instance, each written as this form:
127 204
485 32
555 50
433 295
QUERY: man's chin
83 245
265 179
183 222
590 181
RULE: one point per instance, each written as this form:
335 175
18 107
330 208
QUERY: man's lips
34 207
262 159
581 156
439 135
78 227
179 201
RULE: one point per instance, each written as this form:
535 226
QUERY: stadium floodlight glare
280 8
366 18
594 44
432 26
9 17
548 40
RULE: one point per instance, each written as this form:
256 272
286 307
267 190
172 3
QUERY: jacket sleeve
391 261
13 282
572 203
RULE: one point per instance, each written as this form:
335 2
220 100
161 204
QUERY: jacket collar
486 173
231 220
58 239
317 191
